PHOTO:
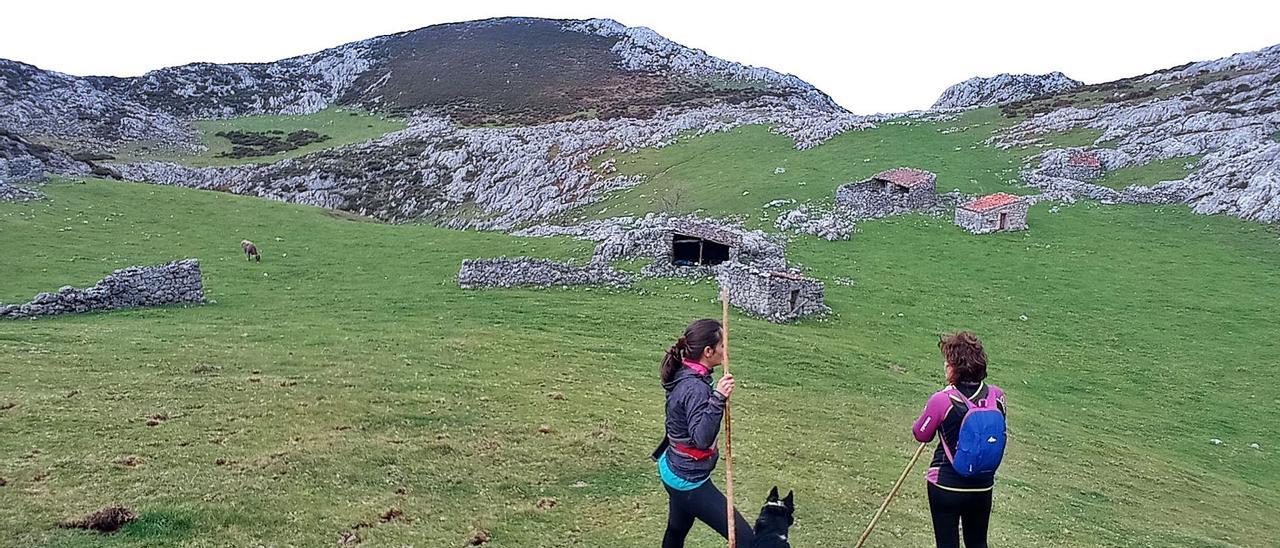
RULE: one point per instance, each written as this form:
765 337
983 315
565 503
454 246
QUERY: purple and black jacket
943 415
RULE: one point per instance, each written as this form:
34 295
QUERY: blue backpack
980 446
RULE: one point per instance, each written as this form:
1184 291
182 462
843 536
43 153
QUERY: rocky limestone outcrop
101 112
22 161
642 49
500 177
1003 88
1226 110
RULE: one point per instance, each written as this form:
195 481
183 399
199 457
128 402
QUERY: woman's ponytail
672 362
700 334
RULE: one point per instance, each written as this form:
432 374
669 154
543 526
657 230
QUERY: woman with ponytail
688 454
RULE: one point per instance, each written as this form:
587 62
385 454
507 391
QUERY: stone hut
677 247
889 192
702 244
993 213
689 246
1080 165
776 296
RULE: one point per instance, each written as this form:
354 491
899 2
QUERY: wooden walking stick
728 428
862 539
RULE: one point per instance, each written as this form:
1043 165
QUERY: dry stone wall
178 282
531 272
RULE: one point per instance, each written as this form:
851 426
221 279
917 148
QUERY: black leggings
707 504
950 509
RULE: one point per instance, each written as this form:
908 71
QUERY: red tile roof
1084 159
990 202
905 176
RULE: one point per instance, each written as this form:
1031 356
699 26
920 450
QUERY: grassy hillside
1171 169
342 126
734 172
347 374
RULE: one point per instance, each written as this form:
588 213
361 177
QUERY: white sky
885 56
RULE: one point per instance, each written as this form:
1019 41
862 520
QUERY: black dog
775 521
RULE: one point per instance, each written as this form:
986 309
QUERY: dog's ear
790 501
773 495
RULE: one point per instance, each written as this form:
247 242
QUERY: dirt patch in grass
479 537
106 520
349 538
393 514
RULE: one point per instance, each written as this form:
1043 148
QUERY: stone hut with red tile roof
889 192
993 213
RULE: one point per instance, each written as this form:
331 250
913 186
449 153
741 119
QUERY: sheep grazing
250 251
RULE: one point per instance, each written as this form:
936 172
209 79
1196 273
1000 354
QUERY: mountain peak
1003 88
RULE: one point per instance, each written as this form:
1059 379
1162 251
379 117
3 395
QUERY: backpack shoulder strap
958 397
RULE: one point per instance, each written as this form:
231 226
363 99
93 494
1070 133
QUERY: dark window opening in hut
795 297
694 251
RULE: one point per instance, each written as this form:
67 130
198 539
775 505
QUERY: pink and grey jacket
943 415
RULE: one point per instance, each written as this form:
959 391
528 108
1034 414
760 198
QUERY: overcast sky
882 57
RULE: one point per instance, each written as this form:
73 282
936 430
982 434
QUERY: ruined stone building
889 192
687 246
749 262
1080 166
993 213
777 296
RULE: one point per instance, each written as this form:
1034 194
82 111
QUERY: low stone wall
10 193
173 283
1075 172
774 296
531 272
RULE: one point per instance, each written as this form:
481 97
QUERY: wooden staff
880 512
728 428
